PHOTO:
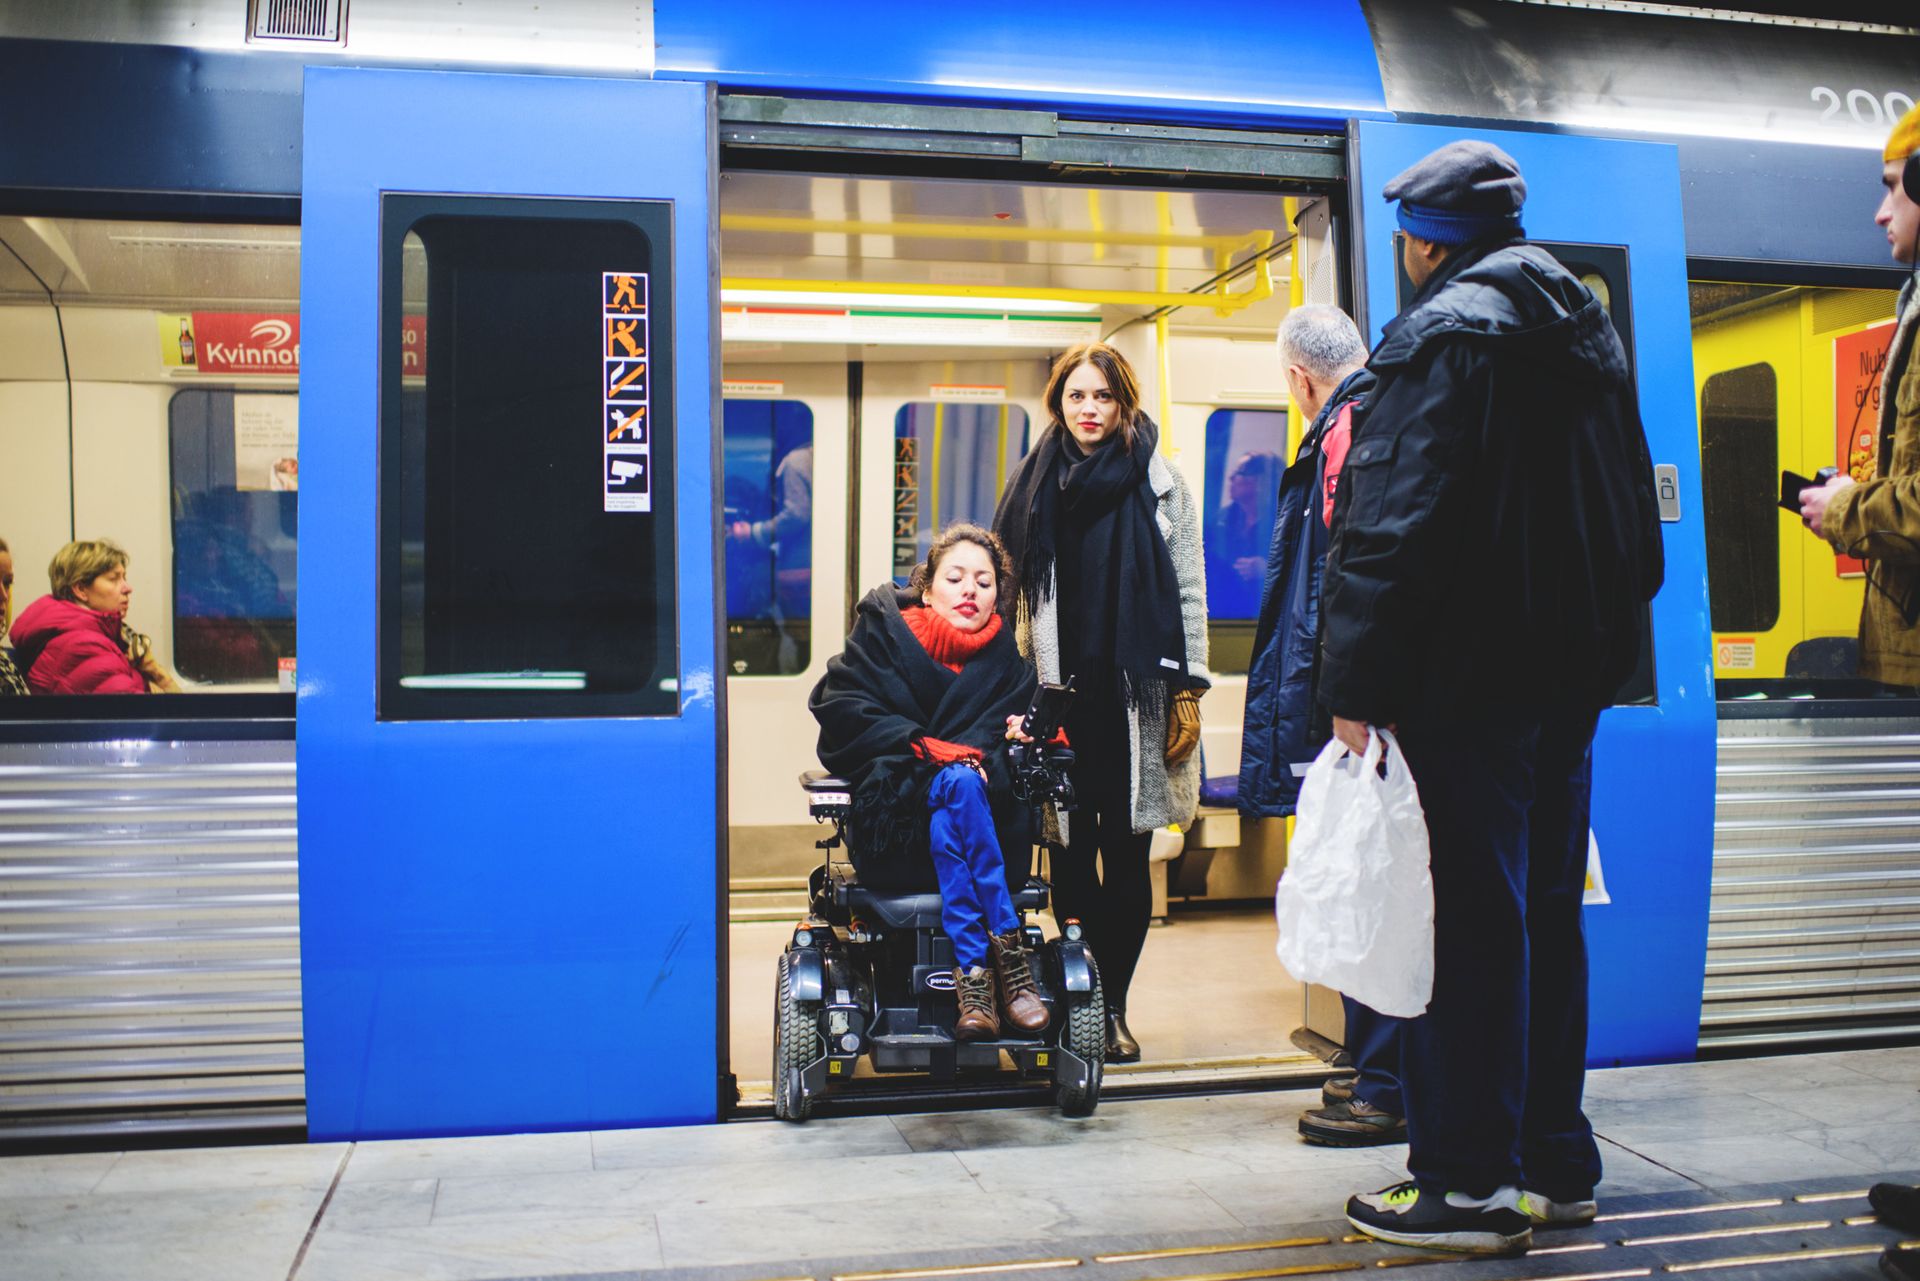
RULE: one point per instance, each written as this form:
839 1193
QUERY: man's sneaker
1546 1213
1337 1090
1899 1264
1353 1124
1405 1215
1896 1204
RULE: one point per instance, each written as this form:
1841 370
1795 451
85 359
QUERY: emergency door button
1666 484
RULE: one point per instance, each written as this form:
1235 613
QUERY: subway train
477 810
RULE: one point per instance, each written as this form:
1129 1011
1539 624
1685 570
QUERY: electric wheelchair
869 972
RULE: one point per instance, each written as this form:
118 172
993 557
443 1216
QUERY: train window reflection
768 447
235 477
1788 377
1246 452
526 471
1739 456
950 462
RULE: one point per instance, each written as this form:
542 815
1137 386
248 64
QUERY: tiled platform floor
764 1200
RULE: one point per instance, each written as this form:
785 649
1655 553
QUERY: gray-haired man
1325 362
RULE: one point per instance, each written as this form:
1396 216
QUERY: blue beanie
1464 192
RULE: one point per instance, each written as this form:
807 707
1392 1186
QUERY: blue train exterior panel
1278 60
1653 765
506 925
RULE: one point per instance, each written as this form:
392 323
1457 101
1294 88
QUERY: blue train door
1611 210
510 798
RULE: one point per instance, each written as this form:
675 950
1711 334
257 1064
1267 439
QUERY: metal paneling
1814 927
149 938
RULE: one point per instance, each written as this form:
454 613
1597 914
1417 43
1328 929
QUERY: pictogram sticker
626 458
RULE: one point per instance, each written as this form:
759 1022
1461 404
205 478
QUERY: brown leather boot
977 1021
1019 994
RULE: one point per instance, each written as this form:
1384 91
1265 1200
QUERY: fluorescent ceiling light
498 681
923 302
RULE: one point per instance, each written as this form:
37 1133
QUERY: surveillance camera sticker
626 482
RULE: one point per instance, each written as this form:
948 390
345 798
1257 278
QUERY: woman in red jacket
71 641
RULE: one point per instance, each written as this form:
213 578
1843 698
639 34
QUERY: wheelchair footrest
942 1055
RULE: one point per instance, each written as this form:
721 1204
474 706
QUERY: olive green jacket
1879 519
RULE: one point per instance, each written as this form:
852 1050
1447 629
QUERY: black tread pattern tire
1085 1034
796 1043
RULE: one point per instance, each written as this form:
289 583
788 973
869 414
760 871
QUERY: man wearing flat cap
1496 541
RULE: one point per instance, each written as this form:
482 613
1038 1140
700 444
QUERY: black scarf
882 692
1092 515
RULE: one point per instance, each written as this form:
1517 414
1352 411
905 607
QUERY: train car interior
886 344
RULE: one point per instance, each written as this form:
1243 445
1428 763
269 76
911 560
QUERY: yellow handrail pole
1296 294
780 223
1163 209
1262 289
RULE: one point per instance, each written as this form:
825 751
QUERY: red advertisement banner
1859 363
246 342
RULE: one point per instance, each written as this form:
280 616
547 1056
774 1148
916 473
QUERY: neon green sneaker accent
1406 1194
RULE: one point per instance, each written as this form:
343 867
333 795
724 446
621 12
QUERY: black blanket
884 691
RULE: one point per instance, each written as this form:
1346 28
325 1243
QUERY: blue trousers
974 901
1493 1072
1373 1043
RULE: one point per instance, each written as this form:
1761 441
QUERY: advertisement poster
1859 363
266 442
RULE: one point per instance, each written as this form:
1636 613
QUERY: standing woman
1105 541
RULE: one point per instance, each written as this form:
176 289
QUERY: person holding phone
1878 518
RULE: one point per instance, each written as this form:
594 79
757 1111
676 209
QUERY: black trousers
1492 1074
1102 877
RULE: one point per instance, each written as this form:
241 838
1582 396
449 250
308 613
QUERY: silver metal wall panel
1814 928
149 938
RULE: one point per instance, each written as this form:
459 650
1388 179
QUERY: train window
1246 453
234 503
148 375
950 462
1789 379
768 447
1739 468
526 552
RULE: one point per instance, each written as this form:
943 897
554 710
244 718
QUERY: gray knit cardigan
1160 796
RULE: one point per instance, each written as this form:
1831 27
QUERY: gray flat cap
1461 192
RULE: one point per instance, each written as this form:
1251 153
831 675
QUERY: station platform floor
1743 1168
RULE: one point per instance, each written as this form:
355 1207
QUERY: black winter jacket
1496 535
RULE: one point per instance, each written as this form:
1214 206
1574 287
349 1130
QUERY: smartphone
1791 483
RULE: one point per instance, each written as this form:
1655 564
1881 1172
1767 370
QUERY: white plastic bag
1355 905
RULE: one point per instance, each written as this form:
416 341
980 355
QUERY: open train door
1610 210
510 811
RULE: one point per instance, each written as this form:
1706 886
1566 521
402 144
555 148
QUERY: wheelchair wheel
1084 1033
796 1043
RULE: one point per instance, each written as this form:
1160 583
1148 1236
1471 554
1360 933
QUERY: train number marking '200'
1863 105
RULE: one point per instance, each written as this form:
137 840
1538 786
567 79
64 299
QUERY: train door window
527 506
1739 467
950 462
1246 453
768 491
234 502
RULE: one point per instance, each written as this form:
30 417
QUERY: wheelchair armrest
818 780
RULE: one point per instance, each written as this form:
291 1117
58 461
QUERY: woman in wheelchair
917 713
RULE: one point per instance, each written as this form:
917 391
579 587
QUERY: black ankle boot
1121 1047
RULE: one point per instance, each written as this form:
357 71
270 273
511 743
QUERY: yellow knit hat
1906 137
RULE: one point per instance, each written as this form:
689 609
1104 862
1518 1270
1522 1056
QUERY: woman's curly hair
947 539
